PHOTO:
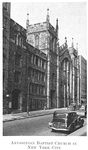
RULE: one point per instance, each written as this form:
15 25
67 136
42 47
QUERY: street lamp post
30 80
7 97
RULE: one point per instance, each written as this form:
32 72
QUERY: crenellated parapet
63 47
36 28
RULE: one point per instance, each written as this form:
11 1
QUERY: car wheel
82 123
53 130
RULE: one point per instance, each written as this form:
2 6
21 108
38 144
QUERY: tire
82 123
53 130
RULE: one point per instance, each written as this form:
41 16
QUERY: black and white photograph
44 74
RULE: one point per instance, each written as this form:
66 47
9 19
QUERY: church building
38 72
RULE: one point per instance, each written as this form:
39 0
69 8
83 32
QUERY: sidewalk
23 115
80 132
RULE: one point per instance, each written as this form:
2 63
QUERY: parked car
72 106
66 121
86 110
82 108
83 111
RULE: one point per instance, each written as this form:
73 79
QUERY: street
36 126
31 126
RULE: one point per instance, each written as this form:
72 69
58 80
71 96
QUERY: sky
72 19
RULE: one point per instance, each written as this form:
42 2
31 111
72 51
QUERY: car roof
73 104
64 111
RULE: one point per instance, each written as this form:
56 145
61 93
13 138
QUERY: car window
60 115
73 115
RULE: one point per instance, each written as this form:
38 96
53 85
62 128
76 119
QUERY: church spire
57 26
66 40
72 43
77 46
27 21
47 17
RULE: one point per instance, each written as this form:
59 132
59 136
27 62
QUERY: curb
30 116
80 132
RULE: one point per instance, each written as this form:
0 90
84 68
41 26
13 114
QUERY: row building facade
83 80
41 74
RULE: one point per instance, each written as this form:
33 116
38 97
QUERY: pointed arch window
37 41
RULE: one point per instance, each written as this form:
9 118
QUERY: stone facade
44 37
17 67
68 74
26 70
38 72
6 34
36 67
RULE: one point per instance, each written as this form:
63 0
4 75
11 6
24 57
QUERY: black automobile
66 121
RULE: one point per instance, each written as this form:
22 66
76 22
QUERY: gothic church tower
44 36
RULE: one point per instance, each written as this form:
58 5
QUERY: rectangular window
43 90
20 41
43 64
17 76
32 58
42 77
37 41
37 89
24 41
16 40
36 61
18 60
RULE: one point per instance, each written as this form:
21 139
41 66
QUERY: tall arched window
37 41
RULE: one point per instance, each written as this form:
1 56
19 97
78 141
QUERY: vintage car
72 106
82 111
66 121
